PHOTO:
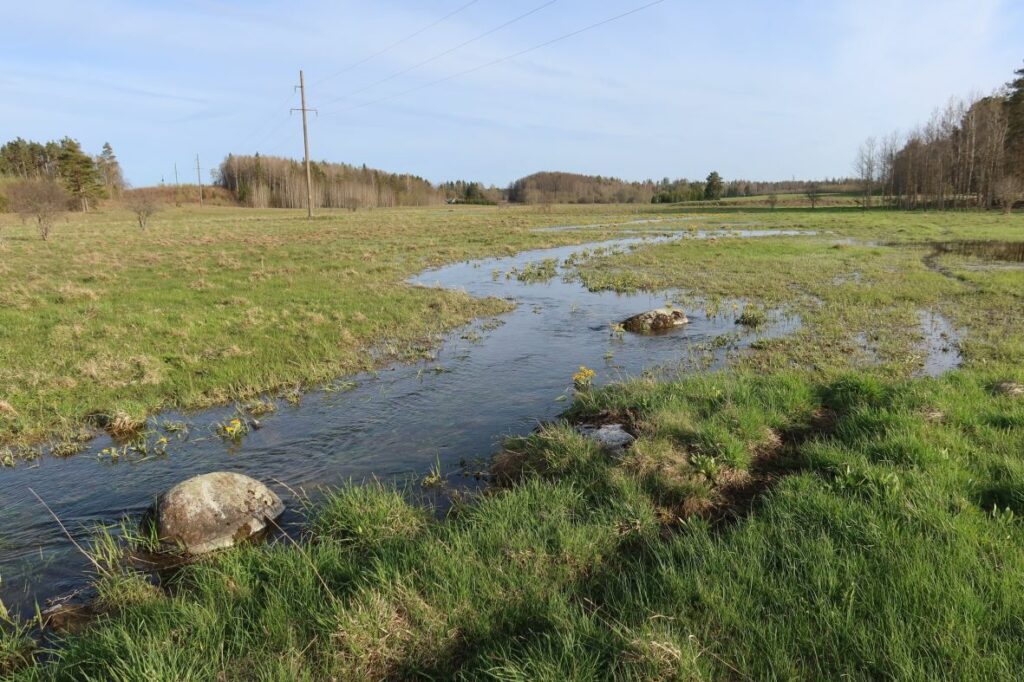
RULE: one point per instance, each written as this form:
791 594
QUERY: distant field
860 284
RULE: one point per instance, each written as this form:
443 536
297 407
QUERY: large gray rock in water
214 511
655 320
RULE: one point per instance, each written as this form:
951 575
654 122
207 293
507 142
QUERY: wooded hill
573 188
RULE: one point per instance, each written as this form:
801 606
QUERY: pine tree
713 186
78 172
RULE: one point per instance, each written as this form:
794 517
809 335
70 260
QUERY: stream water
487 381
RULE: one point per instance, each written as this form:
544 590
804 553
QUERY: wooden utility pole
305 144
199 179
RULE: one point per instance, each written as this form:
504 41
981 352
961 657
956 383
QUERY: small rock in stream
655 320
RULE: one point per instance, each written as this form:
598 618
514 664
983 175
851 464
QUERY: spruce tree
110 171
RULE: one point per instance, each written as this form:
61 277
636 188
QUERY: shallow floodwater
487 381
995 250
941 344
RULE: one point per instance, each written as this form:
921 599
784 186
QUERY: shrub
41 199
143 206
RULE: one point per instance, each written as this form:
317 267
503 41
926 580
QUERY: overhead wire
473 69
445 53
395 44
500 60
280 124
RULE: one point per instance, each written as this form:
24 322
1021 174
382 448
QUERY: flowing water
487 381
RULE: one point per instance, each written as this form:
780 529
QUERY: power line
480 67
263 126
443 54
396 43
274 129
501 59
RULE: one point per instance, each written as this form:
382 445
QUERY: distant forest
572 188
274 182
969 154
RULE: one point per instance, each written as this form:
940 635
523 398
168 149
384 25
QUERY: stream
488 380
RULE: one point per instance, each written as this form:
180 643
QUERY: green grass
843 530
214 305
815 511
863 275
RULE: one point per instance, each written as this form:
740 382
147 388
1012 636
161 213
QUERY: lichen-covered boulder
655 320
213 511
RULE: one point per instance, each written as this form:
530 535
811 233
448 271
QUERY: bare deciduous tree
954 160
866 167
143 206
38 198
813 195
1008 191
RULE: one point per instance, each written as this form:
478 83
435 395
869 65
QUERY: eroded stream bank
491 379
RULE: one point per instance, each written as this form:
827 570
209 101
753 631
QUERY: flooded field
495 378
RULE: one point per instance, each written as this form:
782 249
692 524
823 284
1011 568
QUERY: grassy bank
761 527
208 306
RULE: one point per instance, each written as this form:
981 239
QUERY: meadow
817 509
105 324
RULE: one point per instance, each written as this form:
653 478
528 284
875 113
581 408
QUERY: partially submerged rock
1011 388
655 320
213 511
611 437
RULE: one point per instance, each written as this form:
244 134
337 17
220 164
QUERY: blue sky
766 90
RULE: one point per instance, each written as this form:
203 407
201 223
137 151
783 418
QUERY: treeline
275 182
714 188
467 192
85 178
573 188
969 154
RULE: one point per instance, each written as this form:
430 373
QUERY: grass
814 511
106 324
864 274
762 527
